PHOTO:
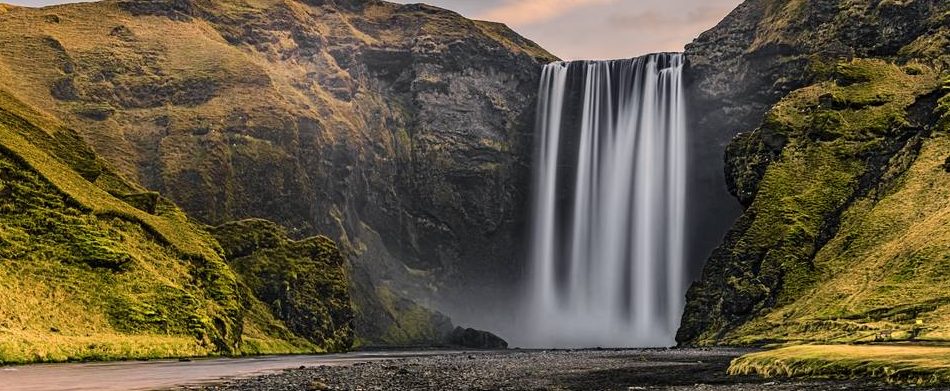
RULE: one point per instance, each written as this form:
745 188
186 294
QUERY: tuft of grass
943 106
918 365
26 348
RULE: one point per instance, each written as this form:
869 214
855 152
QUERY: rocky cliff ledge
401 131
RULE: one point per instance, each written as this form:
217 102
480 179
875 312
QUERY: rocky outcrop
836 101
304 283
475 339
765 49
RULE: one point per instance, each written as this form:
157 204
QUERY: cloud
528 12
647 20
702 16
706 13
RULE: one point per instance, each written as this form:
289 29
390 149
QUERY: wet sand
166 374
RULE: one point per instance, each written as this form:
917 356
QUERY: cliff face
842 110
401 130
762 51
765 49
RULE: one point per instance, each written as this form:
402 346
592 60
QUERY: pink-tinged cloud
528 12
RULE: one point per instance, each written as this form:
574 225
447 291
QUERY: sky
599 29
585 29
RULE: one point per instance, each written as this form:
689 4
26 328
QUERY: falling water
608 230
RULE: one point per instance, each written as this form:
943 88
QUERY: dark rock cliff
764 49
836 102
401 131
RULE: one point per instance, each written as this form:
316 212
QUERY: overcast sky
586 29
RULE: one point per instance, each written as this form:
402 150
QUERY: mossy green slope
844 238
85 275
88 276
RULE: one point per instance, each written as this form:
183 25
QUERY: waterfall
607 243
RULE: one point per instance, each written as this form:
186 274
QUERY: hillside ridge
119 273
837 164
402 132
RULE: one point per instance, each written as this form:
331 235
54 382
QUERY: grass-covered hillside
399 130
93 267
846 233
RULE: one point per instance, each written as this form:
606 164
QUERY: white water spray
610 190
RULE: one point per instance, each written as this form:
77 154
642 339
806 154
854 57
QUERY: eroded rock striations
838 166
401 131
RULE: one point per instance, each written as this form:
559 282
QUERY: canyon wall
401 131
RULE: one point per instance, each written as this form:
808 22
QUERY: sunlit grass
22 348
921 365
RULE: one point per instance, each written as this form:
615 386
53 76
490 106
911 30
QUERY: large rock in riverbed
476 339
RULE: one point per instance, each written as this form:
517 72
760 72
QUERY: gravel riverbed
650 369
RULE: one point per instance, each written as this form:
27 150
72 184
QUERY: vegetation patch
843 239
412 324
88 275
303 283
917 365
74 286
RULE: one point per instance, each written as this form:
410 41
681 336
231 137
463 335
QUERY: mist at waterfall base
606 262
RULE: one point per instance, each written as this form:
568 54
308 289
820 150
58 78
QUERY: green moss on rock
412 324
111 280
305 113
824 154
85 275
304 283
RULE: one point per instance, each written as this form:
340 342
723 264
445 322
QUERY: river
166 374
